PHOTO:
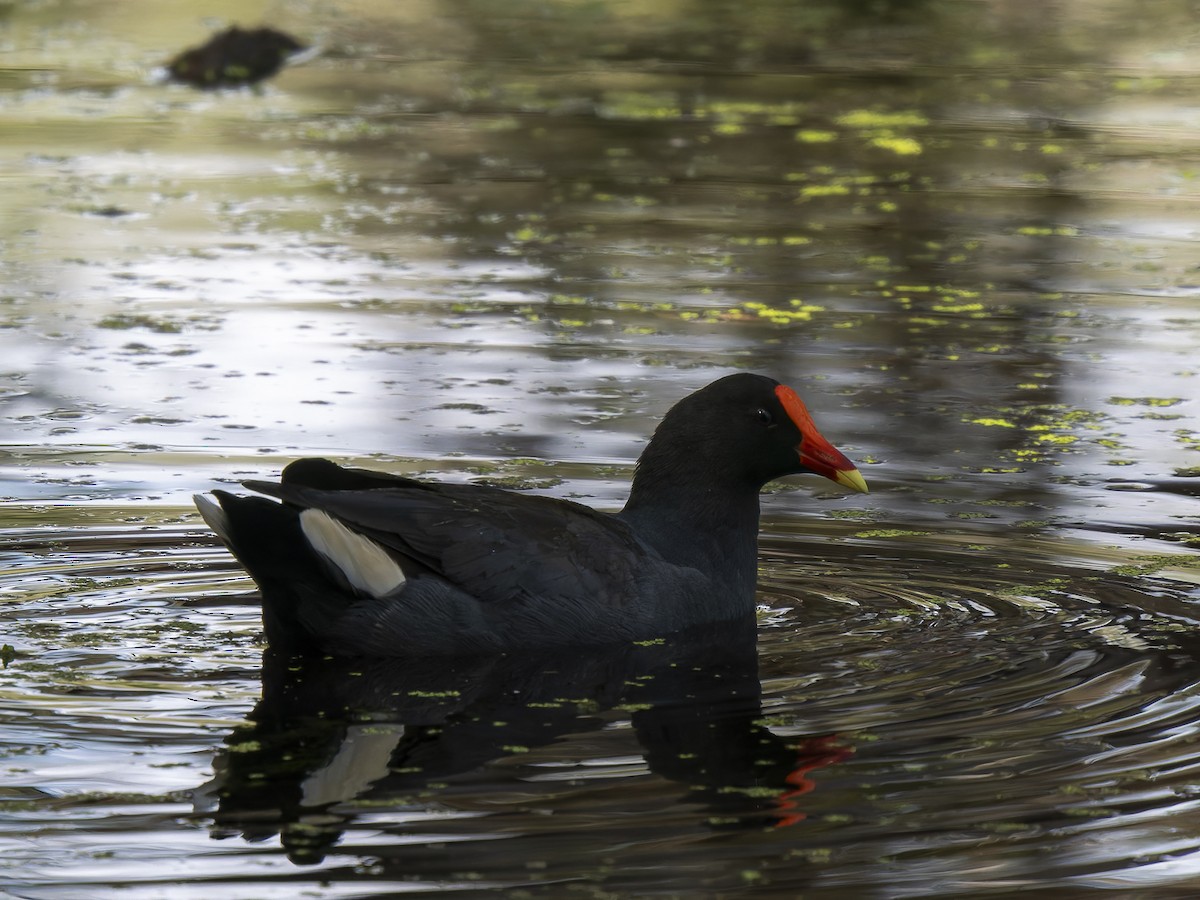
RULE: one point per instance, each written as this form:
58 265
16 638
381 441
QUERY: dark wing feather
493 544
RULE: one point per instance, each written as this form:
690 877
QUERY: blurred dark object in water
234 57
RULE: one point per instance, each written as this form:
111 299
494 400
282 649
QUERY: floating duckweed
866 118
1141 84
798 311
125 321
1145 401
1049 586
890 533
899 146
1048 438
1188 438
1050 428
815 136
1045 231
528 235
641 105
746 108
849 514
1154 563
824 190
958 307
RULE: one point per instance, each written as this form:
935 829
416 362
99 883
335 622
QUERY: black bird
361 563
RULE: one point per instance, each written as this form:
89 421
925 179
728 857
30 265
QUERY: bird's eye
764 416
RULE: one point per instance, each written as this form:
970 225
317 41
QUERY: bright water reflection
496 240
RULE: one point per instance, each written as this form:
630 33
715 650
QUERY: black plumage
354 562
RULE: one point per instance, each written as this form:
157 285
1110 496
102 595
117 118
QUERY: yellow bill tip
853 479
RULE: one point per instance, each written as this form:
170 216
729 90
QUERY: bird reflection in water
333 738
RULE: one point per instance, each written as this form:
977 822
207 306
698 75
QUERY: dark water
496 241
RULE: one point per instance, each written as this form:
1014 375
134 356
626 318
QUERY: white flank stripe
365 564
362 759
214 516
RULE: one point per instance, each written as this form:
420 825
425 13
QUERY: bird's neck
709 528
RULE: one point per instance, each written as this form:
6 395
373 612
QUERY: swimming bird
355 562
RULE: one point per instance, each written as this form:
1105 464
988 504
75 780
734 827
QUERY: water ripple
984 718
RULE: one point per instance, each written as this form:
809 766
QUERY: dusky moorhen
361 563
